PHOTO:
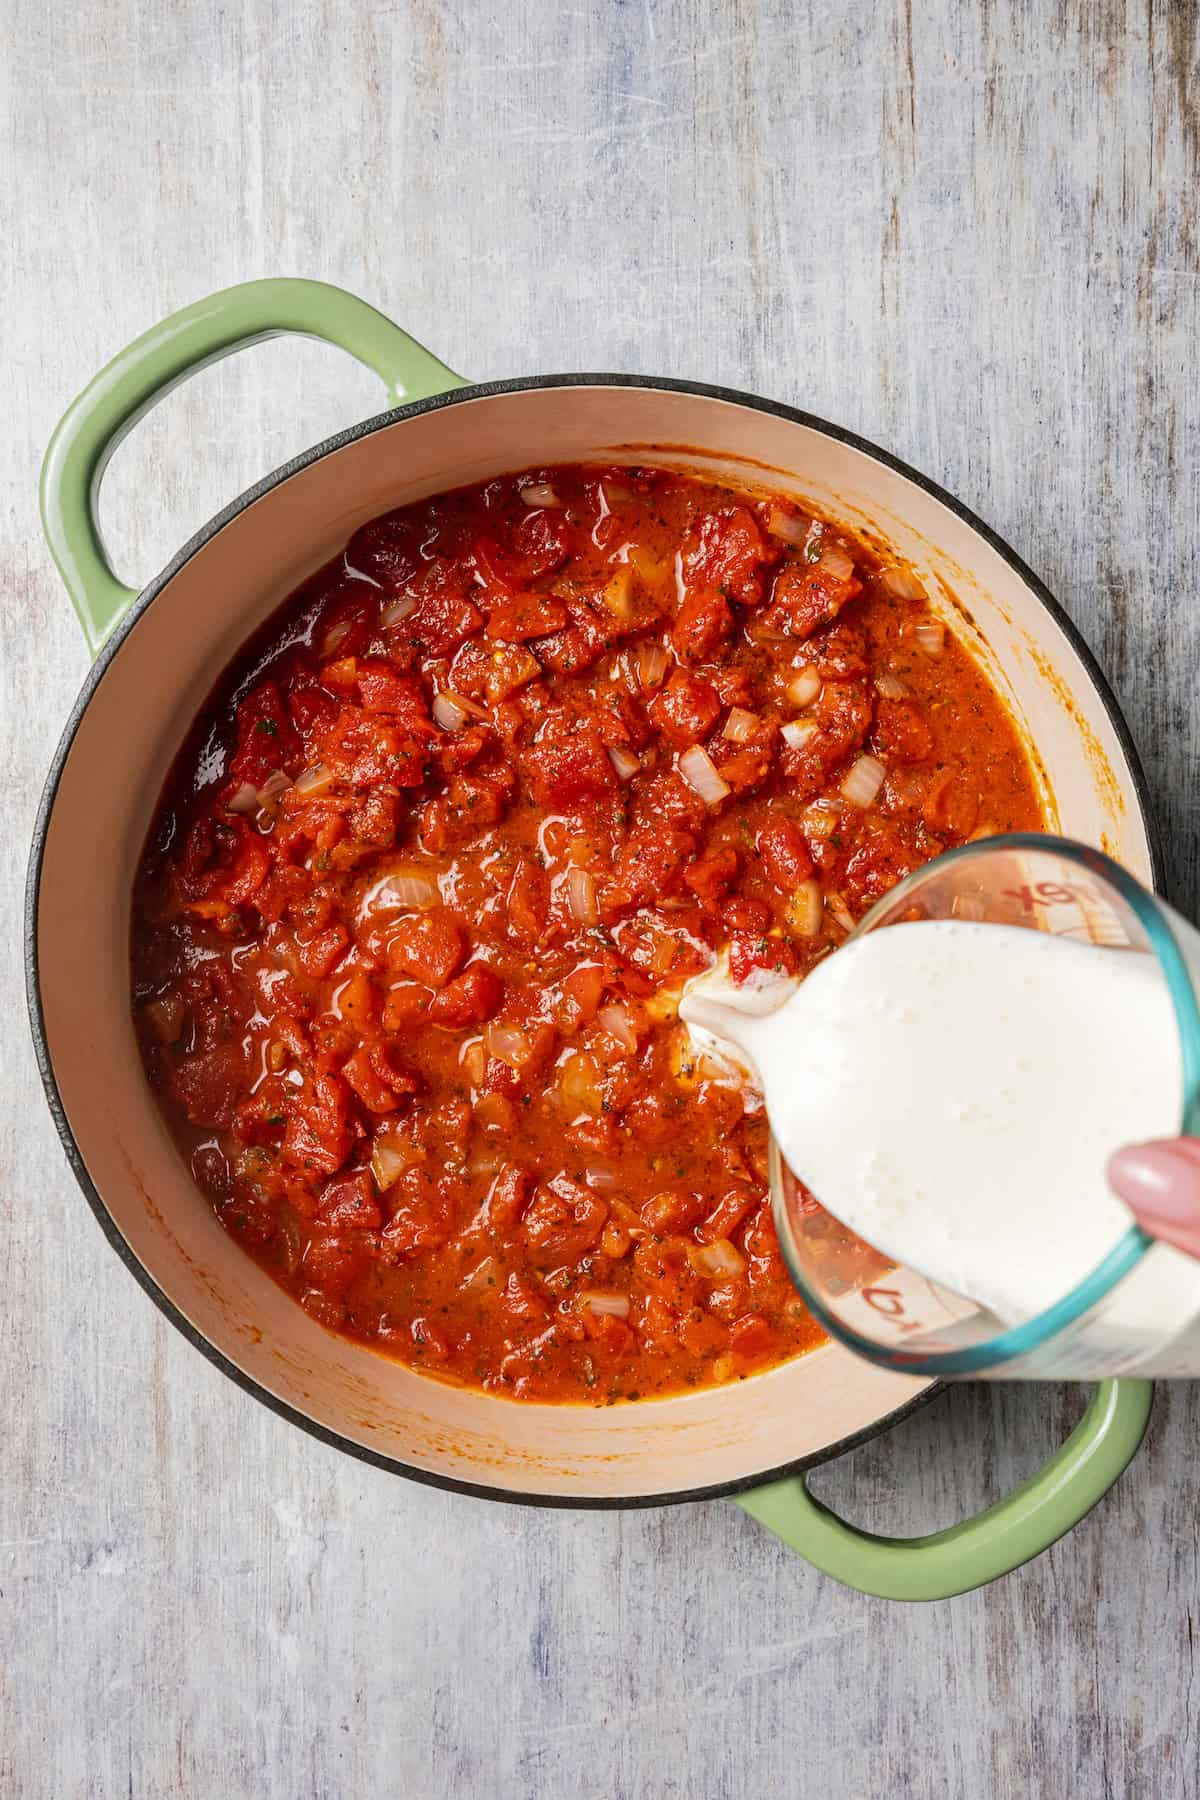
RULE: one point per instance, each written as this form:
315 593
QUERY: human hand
1160 1183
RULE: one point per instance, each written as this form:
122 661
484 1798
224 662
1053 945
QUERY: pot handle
979 1550
112 404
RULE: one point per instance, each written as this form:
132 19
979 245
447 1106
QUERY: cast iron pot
158 654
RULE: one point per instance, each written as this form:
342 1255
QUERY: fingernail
1161 1180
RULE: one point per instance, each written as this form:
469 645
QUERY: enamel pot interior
130 723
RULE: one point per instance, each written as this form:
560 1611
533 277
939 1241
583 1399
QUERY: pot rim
105 658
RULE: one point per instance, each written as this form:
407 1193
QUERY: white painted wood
969 231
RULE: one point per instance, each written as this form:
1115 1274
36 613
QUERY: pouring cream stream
951 1091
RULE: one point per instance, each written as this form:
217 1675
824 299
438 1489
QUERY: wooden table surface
969 231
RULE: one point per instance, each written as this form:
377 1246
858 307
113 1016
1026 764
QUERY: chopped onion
484 1275
805 910
624 762
716 1259
405 888
902 582
472 1060
838 563
581 896
540 493
647 567
313 780
612 1306
335 635
803 688
397 610
166 1015
652 660
863 781
389 1159
797 732
820 821
508 1044
931 635
579 1084
617 595
787 526
616 493
603 1180
245 800
448 713
700 773
840 911
891 686
275 784
618 1022
740 725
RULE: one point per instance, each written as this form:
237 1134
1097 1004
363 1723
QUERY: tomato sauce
425 881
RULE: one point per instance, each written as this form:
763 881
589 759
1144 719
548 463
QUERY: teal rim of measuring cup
1021 1340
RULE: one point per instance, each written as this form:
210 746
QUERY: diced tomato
422 1218
901 732
842 716
580 995
807 595
429 946
388 549
333 1261
470 804
726 1215
530 616
364 748
701 626
748 953
249 869
686 709
506 1199
743 913
542 541
750 1335
520 1305
383 690
527 902
649 866
469 999
882 857
728 553
318 954
576 648
378 1077
405 1006
462 749
207 1085
265 736
563 1221
672 1209
318 1124
376 821
348 1202
444 616
711 879
783 848
567 769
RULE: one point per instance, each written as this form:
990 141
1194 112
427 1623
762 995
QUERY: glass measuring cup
898 1317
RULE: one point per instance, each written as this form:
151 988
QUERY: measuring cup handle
979 1550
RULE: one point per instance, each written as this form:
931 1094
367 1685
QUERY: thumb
1160 1184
